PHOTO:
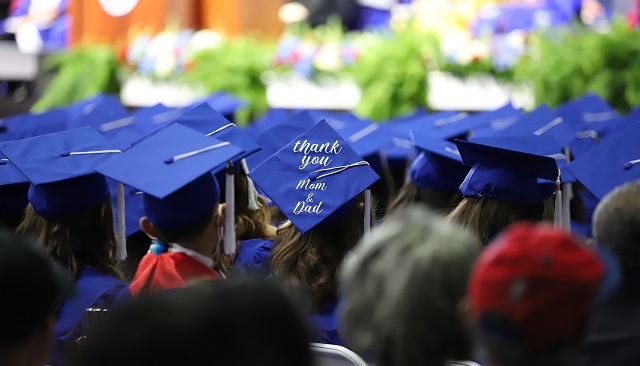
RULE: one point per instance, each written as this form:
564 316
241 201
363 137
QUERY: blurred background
378 58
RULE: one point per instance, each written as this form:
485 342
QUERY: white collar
176 248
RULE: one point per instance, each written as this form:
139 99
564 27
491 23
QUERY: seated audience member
402 291
435 176
71 217
33 290
324 201
530 295
210 322
181 203
613 338
501 189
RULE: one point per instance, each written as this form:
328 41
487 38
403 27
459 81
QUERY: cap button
168 160
64 153
314 175
3 162
627 165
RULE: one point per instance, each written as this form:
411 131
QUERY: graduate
434 176
14 187
71 216
319 187
501 189
173 168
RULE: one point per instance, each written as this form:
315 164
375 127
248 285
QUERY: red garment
168 271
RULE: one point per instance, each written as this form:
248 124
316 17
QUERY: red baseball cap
534 286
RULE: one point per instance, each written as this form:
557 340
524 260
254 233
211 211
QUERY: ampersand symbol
310 197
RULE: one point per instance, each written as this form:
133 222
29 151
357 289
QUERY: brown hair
250 224
487 217
87 239
310 261
439 201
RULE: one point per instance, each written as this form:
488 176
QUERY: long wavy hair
488 217
86 239
310 261
250 224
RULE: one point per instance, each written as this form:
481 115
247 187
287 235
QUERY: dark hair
191 233
309 261
86 239
488 217
439 201
239 322
250 224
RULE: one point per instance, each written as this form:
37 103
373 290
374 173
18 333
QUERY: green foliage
81 73
569 63
236 66
392 74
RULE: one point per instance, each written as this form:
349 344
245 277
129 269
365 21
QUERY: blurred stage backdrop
379 58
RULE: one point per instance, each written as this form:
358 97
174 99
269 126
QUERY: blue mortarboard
543 145
428 124
107 109
30 125
370 139
318 173
592 117
150 118
279 135
223 102
82 107
122 132
505 174
172 167
439 165
499 119
633 116
13 190
266 121
61 170
612 163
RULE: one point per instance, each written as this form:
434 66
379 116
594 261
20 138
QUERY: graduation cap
370 139
223 102
106 109
29 125
429 124
592 117
319 174
13 190
491 121
612 163
151 118
85 106
266 121
439 165
505 174
173 169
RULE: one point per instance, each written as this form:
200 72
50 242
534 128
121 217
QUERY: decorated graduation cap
439 165
173 170
14 187
318 175
505 174
614 162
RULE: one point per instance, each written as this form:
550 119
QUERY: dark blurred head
233 322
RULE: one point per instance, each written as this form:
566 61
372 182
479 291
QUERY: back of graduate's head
186 214
73 221
32 291
402 289
231 322
310 260
440 201
488 217
616 225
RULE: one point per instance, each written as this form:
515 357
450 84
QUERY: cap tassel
557 218
367 213
566 199
230 214
122 230
254 203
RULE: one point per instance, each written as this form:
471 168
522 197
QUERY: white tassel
254 203
557 218
367 213
230 215
122 230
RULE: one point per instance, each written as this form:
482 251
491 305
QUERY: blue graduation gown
253 256
326 324
94 289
